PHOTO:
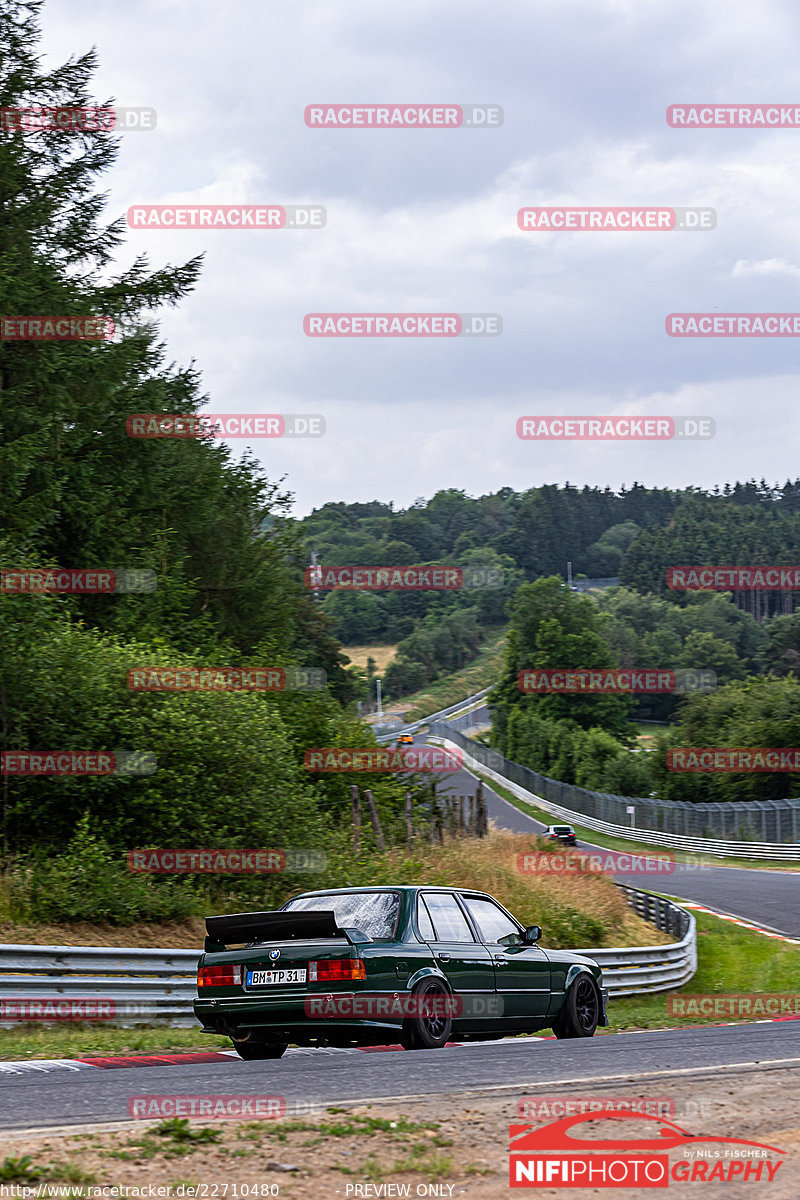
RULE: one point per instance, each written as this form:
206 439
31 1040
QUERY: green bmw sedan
381 965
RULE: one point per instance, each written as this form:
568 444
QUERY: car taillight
331 970
229 975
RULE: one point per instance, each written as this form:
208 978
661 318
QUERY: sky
425 220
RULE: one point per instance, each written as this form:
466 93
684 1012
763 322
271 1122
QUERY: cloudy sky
425 221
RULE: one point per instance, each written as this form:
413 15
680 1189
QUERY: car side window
424 922
449 922
493 924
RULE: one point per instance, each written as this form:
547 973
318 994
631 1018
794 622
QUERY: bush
89 882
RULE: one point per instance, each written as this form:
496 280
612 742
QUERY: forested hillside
79 493
589 739
635 535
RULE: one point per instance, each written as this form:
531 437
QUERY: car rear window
562 829
374 913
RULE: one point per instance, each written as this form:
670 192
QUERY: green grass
78 1041
617 843
730 960
483 671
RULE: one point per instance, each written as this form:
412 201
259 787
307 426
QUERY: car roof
391 887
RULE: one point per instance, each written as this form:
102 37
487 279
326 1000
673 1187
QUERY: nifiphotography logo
552 1156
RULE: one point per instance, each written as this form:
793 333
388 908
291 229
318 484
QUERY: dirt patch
382 655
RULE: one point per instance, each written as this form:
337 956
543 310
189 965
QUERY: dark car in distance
379 965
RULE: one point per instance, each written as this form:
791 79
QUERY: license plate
268 978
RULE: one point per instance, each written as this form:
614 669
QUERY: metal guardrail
136 986
509 774
633 970
443 714
139 986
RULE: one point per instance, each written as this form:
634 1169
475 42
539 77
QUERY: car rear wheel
259 1049
431 1027
580 1011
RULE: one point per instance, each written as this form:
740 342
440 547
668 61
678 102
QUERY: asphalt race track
768 898
36 1100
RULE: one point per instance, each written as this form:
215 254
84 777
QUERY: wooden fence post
433 812
483 824
376 825
356 810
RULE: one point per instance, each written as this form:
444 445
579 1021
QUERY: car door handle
444 956
501 957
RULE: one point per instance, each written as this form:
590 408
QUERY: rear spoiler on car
275 926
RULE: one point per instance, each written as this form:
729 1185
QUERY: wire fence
758 821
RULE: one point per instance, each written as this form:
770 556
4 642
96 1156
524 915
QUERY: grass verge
78 1040
730 960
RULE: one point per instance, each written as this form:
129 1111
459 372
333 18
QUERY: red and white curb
118 1062
712 912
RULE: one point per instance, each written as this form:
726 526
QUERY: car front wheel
432 1024
580 1012
251 1050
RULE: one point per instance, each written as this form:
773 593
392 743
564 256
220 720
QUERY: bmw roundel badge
274 953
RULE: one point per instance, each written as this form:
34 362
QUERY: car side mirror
532 934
